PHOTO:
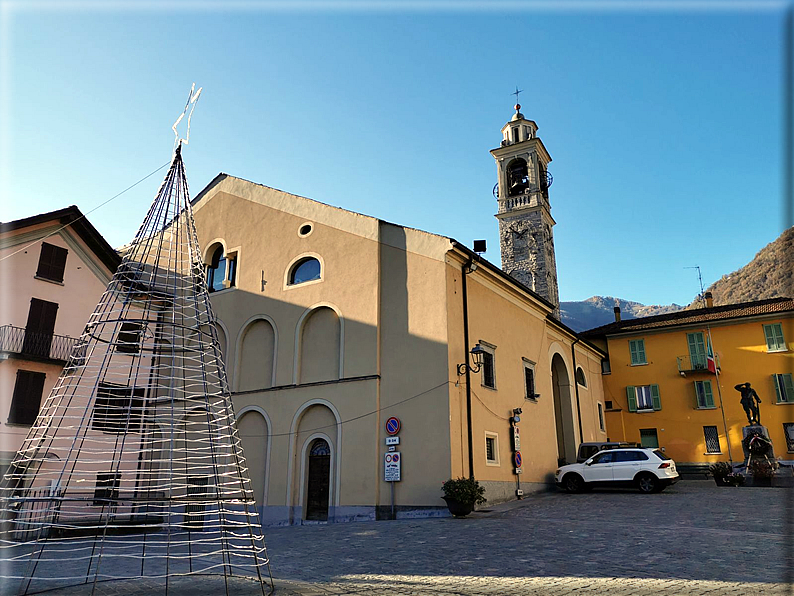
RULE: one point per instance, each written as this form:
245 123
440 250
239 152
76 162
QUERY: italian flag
710 362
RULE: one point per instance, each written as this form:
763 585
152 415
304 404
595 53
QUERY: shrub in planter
734 479
461 494
720 472
763 471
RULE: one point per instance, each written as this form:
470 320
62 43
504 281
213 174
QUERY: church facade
334 322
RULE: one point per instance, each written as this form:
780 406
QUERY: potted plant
734 479
763 471
720 471
462 494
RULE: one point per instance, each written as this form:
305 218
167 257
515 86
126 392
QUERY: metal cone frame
133 468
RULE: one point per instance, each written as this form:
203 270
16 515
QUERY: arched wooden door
319 483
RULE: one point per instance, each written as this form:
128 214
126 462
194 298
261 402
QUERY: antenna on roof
701 296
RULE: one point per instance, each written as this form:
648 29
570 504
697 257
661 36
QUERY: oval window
305 270
305 230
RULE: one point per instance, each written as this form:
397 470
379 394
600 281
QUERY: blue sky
665 125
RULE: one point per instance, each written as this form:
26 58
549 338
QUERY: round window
305 229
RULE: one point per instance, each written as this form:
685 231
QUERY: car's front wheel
647 483
573 483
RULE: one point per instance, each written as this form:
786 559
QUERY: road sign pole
393 516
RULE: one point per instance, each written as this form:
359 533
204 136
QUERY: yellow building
660 390
332 322
54 268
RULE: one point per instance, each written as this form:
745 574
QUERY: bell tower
525 221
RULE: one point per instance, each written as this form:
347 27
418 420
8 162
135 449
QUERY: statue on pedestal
750 401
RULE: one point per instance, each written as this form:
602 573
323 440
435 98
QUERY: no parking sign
393 425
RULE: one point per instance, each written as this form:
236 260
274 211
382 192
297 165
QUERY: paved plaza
693 539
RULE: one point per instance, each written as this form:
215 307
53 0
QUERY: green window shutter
774 337
777 331
635 357
708 394
697 400
769 335
788 386
657 400
641 351
631 395
776 383
697 350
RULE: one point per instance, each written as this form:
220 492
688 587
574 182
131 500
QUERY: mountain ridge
767 275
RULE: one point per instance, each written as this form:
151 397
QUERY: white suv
650 470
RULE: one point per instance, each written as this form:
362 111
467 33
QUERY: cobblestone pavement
692 539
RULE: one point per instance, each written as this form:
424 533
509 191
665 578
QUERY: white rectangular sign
392 440
516 439
391 468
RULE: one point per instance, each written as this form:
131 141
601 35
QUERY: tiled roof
699 315
71 216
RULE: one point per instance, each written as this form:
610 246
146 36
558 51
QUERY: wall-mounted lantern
477 357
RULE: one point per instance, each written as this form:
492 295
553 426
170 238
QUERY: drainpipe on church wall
465 270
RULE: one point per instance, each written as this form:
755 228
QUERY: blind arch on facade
320 346
256 356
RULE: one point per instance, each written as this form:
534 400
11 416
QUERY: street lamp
477 357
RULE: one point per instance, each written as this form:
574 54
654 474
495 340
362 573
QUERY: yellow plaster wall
741 348
518 329
387 285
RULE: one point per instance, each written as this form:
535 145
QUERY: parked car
649 470
588 450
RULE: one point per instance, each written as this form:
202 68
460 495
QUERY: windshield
660 454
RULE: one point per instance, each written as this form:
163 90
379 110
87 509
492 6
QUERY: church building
334 324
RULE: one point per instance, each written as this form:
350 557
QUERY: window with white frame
637 352
601 417
488 371
492 449
712 438
221 270
784 388
580 378
643 398
307 269
704 396
773 334
529 381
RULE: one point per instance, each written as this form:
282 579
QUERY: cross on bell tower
524 214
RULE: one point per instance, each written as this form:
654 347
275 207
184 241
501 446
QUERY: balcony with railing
21 343
697 364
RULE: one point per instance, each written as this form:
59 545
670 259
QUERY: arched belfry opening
563 411
517 177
